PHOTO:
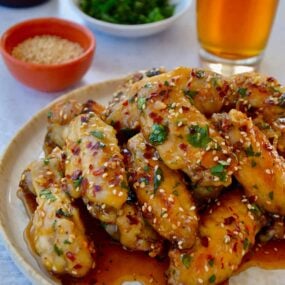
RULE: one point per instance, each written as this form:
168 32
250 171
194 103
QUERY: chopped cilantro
211 262
186 260
58 251
281 101
166 83
200 74
245 244
250 152
61 213
46 194
77 182
66 241
146 168
79 141
49 114
97 134
271 195
198 136
175 193
253 163
141 103
219 171
158 134
46 161
212 279
242 91
158 178
191 94
143 180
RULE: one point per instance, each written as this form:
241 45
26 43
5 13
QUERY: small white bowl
132 31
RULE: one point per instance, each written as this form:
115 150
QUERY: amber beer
235 29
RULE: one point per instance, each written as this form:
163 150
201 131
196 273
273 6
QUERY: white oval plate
27 146
132 31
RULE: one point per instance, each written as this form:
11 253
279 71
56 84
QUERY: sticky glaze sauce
114 265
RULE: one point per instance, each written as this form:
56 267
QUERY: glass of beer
233 33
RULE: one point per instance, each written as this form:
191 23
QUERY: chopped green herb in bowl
129 12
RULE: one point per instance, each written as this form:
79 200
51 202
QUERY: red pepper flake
117 125
98 171
91 167
84 185
70 256
76 174
252 199
75 150
235 247
96 188
156 118
77 266
125 103
148 154
132 219
205 241
183 146
185 109
229 220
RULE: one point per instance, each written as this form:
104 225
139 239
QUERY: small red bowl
48 77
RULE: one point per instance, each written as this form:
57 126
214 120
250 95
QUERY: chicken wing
56 232
135 233
261 170
204 89
166 203
94 166
227 232
182 135
261 98
120 112
60 115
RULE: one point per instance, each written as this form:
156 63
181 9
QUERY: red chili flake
156 118
84 185
185 109
70 256
77 266
229 220
127 113
117 125
235 247
84 119
76 150
98 171
243 128
148 154
91 166
183 146
132 219
270 79
96 188
252 199
125 103
153 94
76 174
63 156
205 241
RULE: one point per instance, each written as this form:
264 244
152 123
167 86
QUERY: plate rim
26 268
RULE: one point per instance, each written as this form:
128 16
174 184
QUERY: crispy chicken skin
262 98
227 232
261 170
56 231
60 115
120 112
135 233
183 136
94 166
205 89
165 201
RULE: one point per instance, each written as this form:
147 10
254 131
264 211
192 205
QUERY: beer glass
233 33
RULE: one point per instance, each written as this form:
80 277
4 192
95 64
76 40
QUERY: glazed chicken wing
204 89
166 203
56 231
60 115
262 98
94 166
227 232
261 170
183 136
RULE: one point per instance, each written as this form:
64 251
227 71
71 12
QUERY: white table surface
114 58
